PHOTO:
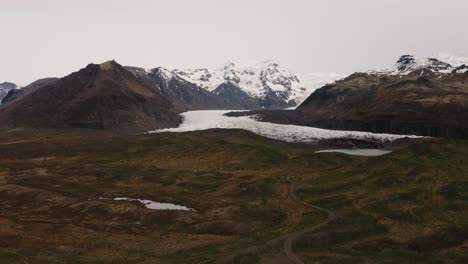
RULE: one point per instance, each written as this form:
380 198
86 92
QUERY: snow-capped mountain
241 86
5 88
257 80
407 64
313 81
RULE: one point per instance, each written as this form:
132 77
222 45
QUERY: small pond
357 152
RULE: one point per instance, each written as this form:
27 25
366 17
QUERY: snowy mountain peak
164 73
256 79
5 88
202 77
278 79
407 64
260 80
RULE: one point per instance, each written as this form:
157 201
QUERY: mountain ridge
267 85
103 96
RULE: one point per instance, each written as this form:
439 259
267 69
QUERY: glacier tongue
210 119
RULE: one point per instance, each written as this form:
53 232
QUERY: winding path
287 246
291 237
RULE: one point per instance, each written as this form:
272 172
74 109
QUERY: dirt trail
291 237
287 246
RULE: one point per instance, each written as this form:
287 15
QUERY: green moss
247 259
443 237
312 218
383 208
9 257
267 188
405 257
350 227
196 255
455 191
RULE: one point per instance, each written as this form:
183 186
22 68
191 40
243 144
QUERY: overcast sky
55 37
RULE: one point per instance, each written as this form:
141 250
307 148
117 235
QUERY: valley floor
255 200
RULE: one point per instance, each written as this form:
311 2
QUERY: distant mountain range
134 100
425 97
415 96
264 85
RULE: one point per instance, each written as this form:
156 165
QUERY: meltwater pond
357 152
153 205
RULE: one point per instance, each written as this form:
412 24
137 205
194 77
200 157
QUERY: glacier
211 119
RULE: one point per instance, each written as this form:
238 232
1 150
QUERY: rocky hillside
423 97
5 88
105 96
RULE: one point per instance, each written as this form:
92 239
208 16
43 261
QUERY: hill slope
104 96
408 206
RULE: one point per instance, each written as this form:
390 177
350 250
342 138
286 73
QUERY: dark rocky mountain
105 96
183 94
423 97
5 88
233 97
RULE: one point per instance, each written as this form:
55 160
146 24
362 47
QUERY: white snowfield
153 205
209 119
